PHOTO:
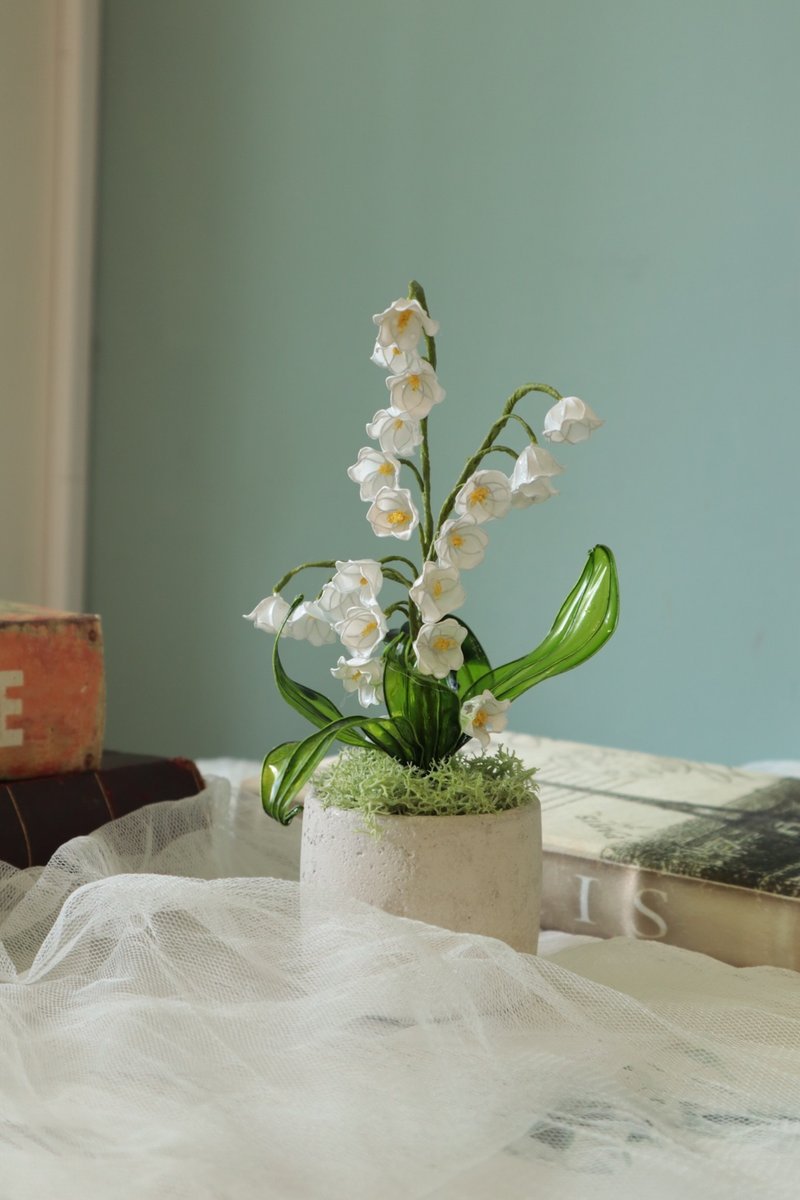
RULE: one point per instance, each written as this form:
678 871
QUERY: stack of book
56 782
697 855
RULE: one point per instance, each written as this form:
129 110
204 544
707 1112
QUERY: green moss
378 785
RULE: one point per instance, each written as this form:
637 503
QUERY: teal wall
601 195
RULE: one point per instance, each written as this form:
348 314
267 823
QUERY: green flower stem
516 417
281 584
398 606
487 443
399 558
503 450
398 577
417 292
406 462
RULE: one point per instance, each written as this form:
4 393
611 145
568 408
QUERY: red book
39 815
52 691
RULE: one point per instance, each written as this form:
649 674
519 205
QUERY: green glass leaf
290 765
584 623
315 707
430 707
476 661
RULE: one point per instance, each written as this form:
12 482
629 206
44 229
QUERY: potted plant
408 817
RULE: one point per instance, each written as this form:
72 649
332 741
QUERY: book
52 691
39 815
697 855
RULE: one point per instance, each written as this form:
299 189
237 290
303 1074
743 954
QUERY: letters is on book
701 856
52 691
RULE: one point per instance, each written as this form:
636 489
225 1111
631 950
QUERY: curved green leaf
315 707
584 623
290 765
430 707
476 661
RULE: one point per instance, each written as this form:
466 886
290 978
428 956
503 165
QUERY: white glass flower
393 358
392 514
485 495
397 433
269 614
359 577
310 623
570 421
438 648
362 675
530 479
484 715
374 470
333 603
415 391
363 629
402 323
437 591
461 543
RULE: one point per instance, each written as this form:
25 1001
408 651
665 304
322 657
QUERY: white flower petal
393 514
397 433
374 470
361 675
437 592
393 359
484 715
363 629
438 648
360 576
269 614
402 324
309 623
486 495
414 392
461 543
570 421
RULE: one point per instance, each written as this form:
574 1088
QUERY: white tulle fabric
179 1019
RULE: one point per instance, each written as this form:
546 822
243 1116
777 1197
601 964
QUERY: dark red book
39 815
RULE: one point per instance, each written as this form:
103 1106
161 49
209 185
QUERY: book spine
39 815
52 694
740 926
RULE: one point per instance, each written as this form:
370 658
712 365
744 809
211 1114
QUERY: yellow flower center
441 643
398 424
403 318
396 351
415 382
387 468
356 675
479 720
479 495
370 627
437 590
363 581
456 540
398 517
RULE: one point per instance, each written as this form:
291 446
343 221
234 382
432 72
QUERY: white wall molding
68 323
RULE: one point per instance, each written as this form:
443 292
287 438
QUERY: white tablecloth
178 1018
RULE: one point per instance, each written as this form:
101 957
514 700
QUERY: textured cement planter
473 874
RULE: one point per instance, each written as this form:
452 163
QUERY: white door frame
68 321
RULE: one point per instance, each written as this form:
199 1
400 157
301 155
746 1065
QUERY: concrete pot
474 874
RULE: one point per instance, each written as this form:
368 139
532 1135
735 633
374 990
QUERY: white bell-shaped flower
415 391
333 603
438 648
393 514
402 323
362 675
530 479
309 623
461 543
359 578
393 359
363 629
269 614
485 496
374 470
397 433
437 592
484 715
570 421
